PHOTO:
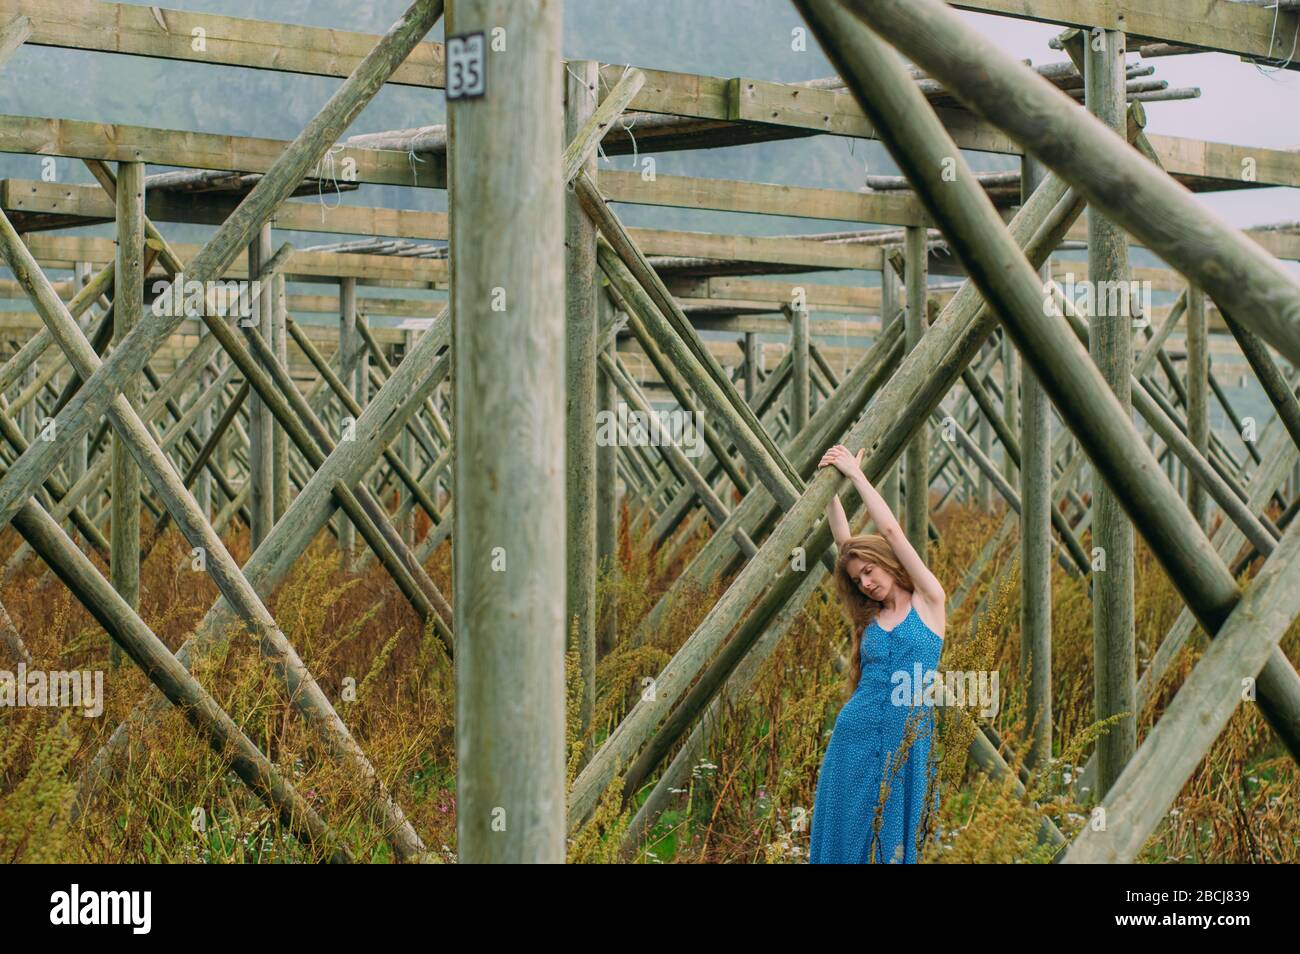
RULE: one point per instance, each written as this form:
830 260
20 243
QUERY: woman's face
874 582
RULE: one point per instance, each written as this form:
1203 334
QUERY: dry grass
748 798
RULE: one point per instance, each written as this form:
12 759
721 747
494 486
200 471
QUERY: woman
877 775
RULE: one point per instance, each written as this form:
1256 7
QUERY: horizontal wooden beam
119 142
1251 31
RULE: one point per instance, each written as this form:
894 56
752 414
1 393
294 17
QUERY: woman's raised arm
887 525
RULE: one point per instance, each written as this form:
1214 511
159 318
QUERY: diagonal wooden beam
916 388
306 516
1246 643
1009 282
304 692
1117 181
177 685
284 176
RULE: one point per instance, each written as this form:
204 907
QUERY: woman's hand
844 461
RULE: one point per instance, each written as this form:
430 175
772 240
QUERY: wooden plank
61 251
762 198
119 142
229 41
1226 27
835 112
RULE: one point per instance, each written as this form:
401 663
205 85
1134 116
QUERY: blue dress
868 732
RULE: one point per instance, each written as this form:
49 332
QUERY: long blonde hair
860 609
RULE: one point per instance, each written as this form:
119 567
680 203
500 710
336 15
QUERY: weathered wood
349 351
1036 510
508 305
261 422
583 131
307 514
281 491
757 447
1246 642
916 469
281 179
1226 27
179 687
1088 405
799 379
128 311
1117 183
234 585
915 388
1110 342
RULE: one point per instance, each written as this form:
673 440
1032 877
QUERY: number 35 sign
466 66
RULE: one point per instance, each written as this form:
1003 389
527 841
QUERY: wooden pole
1117 181
912 391
799 381
261 423
1140 798
916 461
1036 547
279 342
127 312
891 485
269 564
507 219
349 343
180 688
752 357
1198 397
1010 401
607 501
92 400
1110 341
207 418
581 325
920 143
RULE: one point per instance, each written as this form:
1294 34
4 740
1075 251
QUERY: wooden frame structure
480 410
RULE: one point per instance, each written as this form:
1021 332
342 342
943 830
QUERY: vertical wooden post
203 487
348 347
409 525
507 220
581 83
916 462
280 437
751 365
221 453
1036 544
27 414
984 493
607 492
79 458
1110 341
889 486
1010 401
261 423
1198 400
799 366
128 309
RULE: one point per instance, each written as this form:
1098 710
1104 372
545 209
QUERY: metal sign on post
466 66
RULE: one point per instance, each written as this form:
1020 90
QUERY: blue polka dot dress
868 734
